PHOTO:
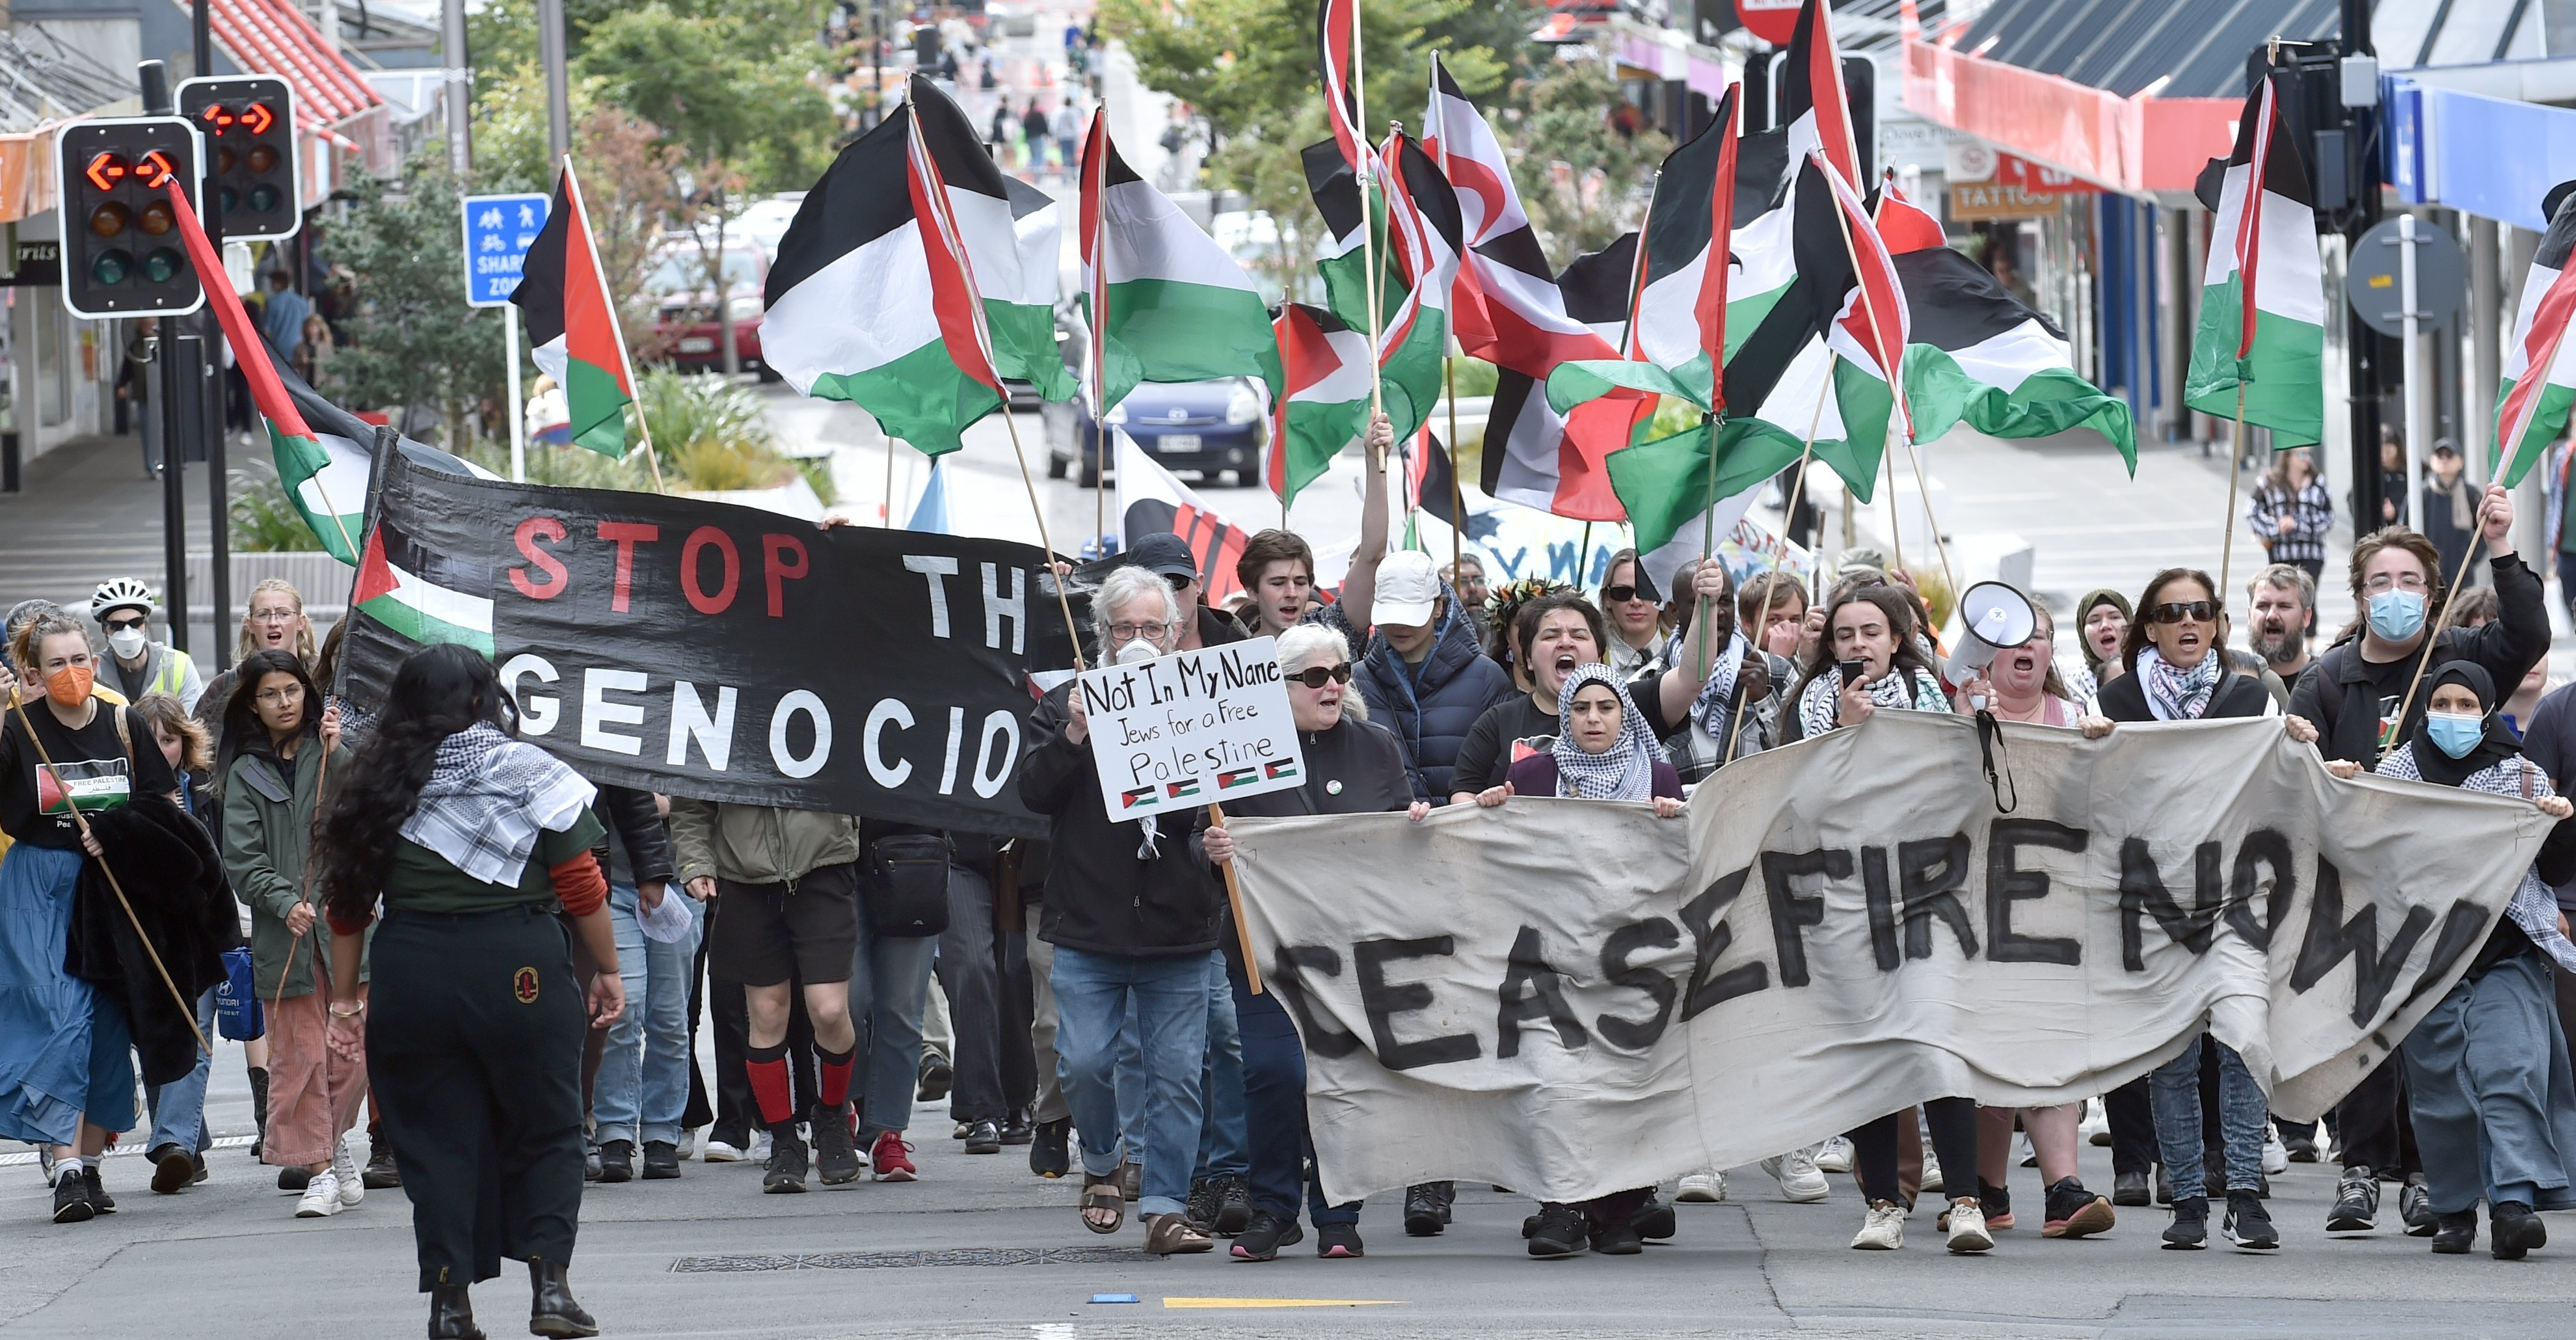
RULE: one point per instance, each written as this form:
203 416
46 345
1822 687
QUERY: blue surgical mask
2397 615
2455 735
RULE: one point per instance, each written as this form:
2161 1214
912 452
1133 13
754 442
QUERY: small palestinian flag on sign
1277 768
426 597
1128 800
572 322
2532 411
1177 790
1227 781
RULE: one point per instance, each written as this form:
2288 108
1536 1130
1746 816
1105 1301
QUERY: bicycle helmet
116 593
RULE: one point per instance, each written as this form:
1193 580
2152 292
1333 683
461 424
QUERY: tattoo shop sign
721 652
1192 728
1573 997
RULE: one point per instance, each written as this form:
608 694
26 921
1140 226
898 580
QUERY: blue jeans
889 978
1274 1091
1222 1139
179 1107
1169 993
2175 1089
643 1079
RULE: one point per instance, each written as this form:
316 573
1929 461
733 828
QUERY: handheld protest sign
1192 728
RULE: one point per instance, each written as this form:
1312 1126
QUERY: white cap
1407 589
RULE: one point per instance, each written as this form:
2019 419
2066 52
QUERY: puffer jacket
1429 708
758 844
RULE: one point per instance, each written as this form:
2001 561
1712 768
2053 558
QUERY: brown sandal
1101 1194
1175 1235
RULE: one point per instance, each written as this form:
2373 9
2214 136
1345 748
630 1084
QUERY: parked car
1207 426
687 328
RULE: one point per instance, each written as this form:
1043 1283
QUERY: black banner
722 652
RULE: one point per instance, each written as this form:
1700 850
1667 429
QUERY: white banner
1192 728
1571 998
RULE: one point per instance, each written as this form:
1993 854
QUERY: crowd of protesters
1083 996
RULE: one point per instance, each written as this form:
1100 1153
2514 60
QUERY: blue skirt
51 1069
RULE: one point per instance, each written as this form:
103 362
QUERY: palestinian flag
1685 305
904 284
1858 299
424 596
1413 339
1326 365
572 322
2262 307
1980 356
1337 39
1681 502
1540 457
1167 304
1504 306
1815 105
1151 499
2532 413
322 451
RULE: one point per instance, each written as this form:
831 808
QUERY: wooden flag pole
889 482
1896 389
1063 602
2236 469
1797 485
2433 630
1457 508
1895 517
1234 900
187 1007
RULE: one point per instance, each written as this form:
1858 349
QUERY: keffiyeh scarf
1708 710
2534 908
2178 695
1820 707
487 799
1627 770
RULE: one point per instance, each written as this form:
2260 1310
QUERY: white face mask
128 643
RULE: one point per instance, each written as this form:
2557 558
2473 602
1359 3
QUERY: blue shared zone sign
499 229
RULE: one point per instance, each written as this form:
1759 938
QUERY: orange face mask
70 685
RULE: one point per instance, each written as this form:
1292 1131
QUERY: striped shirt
2311 514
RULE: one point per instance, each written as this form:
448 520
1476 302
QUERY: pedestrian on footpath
276 743
1131 909
2291 514
66 1050
137 665
479 847
2487 1074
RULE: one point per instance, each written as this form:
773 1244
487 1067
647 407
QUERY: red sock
768 1069
836 1075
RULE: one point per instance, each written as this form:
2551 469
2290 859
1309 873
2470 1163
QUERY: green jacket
758 844
268 832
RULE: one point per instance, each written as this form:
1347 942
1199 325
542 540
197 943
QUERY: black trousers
2372 1126
2133 1128
1954 1140
982 969
737 1112
474 1036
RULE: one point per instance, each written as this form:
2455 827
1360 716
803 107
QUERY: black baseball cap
1162 553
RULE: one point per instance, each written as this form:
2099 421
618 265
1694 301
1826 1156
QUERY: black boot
451 1313
1050 1148
554 1312
259 1107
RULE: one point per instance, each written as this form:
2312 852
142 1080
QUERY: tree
413 341
1583 179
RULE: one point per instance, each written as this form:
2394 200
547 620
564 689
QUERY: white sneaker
2276 1156
1883 1230
2029 1152
1932 1180
720 1152
321 1197
1968 1227
344 1170
759 1151
1800 1182
1835 1154
687 1144
1702 1188
2096 1125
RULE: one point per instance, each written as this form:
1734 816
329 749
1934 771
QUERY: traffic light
121 250
248 122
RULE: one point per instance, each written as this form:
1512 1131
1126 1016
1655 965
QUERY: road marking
1278 1302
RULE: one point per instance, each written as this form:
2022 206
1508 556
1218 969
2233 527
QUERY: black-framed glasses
1620 595
120 625
1314 676
2175 611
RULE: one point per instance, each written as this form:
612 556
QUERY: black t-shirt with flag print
92 769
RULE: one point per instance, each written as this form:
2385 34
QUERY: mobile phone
1854 672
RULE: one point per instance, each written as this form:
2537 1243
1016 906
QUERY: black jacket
1430 716
1101 897
174 881
2341 693
634 846
2125 698
1354 768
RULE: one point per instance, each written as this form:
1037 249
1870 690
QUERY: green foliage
731 85
567 467
413 341
712 435
264 519
1559 145
1473 376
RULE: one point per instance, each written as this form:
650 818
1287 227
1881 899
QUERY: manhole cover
958 1256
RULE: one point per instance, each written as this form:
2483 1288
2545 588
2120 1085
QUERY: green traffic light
110 268
263 198
232 200
162 265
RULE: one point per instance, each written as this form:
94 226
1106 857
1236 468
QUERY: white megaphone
1992 616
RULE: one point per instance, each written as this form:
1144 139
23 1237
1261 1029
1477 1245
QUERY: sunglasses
2175 611
120 625
1620 595
1315 676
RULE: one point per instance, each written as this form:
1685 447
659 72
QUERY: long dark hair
1900 621
243 731
436 693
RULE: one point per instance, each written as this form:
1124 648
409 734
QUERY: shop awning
2133 145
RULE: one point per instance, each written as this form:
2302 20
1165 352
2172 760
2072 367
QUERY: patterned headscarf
1627 770
2174 694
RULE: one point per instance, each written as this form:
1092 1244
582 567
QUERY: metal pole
202 38
550 54
517 410
208 366
174 489
460 88
2486 294
2414 356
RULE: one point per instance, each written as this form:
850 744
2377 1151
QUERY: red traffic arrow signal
216 117
258 118
104 171
155 169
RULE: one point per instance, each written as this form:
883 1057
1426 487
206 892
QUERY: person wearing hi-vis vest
137 665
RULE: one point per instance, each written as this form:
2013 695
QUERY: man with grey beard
2282 603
